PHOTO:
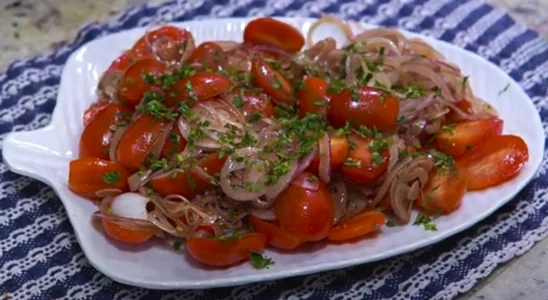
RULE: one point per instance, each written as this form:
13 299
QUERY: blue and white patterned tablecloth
39 255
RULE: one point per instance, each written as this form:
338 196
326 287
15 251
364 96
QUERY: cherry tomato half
275 236
359 225
362 165
89 175
126 235
209 55
96 137
497 160
201 86
133 86
138 141
168 42
94 108
123 62
271 32
306 213
220 253
457 139
364 106
313 98
190 184
273 83
250 102
339 152
444 190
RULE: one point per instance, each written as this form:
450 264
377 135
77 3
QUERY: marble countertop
30 27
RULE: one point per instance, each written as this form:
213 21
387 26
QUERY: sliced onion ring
325 158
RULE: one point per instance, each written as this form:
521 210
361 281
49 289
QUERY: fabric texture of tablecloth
39 255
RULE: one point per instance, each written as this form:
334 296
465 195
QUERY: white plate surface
44 154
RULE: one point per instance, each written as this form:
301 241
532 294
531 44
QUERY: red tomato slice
209 55
168 184
169 42
271 32
444 190
130 236
138 141
363 165
305 213
90 175
220 253
275 236
273 83
90 113
250 102
339 152
457 139
357 226
96 137
497 160
313 98
364 106
133 86
201 86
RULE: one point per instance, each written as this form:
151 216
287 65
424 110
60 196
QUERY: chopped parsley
463 83
336 86
238 101
390 224
426 222
449 128
412 91
177 245
111 177
259 261
504 89
443 161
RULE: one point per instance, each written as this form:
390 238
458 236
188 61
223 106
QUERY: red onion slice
115 141
113 218
325 158
282 183
306 161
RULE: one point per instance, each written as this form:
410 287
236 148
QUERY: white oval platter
44 154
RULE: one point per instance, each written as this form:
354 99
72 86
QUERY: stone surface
30 27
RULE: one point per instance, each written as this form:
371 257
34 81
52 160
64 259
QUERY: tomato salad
228 147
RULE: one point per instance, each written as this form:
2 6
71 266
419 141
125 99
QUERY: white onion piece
264 214
325 158
139 179
130 205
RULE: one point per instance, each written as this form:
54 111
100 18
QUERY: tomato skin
221 253
496 161
453 117
92 110
166 184
275 236
273 83
175 143
307 214
357 226
85 176
463 137
314 92
339 152
133 87
138 140
209 55
96 137
123 62
372 108
444 190
204 85
129 236
177 35
271 32
252 102
368 170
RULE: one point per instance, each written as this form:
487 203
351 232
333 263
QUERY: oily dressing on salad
229 147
